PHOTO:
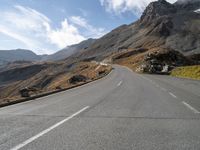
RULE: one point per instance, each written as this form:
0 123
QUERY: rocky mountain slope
162 25
18 54
166 36
10 56
69 50
43 77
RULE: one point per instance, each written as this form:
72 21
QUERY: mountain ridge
17 54
162 25
159 41
9 56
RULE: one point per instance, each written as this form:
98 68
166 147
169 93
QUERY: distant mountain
7 56
162 25
18 54
69 50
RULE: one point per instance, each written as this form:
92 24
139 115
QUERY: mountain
69 50
164 37
18 54
8 56
40 77
161 26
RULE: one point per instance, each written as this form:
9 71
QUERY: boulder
24 92
103 72
77 78
163 62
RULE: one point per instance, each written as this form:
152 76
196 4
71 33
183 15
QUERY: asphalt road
122 111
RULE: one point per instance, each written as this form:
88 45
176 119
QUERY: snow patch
197 11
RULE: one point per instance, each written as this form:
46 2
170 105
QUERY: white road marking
48 130
172 95
191 108
150 80
119 83
163 89
128 69
97 68
103 64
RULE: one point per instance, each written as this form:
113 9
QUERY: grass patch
192 72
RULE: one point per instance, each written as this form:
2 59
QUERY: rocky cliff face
177 23
156 10
162 25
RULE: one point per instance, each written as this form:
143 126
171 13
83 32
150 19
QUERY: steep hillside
165 37
162 25
69 50
18 54
44 77
10 56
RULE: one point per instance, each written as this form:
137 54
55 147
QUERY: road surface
122 111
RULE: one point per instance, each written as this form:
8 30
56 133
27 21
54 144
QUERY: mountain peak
157 9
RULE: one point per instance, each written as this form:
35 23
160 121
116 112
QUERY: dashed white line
172 95
47 130
191 108
163 89
151 81
119 83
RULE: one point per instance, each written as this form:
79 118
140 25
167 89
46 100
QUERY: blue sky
46 26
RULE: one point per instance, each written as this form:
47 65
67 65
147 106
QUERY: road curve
122 111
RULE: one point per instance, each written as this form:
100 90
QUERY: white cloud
79 21
16 36
66 35
91 31
122 6
197 11
34 30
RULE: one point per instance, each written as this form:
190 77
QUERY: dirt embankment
31 80
156 60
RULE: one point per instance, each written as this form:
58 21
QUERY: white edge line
191 108
172 95
48 130
119 83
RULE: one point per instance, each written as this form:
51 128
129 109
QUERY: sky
46 26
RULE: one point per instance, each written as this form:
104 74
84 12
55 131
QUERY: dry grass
59 79
132 61
192 72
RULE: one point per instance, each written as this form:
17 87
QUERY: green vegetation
192 72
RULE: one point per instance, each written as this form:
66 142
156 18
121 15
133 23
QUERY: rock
103 72
24 92
156 10
77 78
163 62
58 88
